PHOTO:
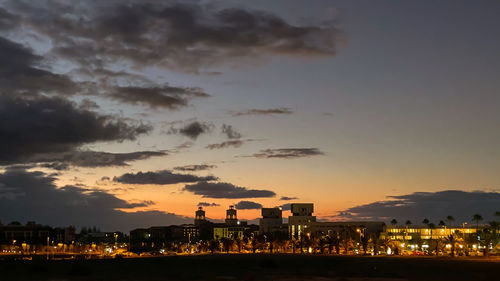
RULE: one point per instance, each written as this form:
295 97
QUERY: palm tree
450 220
408 223
394 222
477 218
494 225
432 226
425 221
451 239
441 223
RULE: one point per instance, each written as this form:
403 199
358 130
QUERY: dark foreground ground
256 267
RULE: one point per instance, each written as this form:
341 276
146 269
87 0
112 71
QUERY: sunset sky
125 114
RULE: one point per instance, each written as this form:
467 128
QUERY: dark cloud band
160 178
226 190
27 196
435 206
287 153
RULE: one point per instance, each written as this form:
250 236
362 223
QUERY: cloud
166 96
226 190
225 144
435 206
7 20
270 111
27 196
160 177
287 153
229 131
38 125
91 159
286 198
182 146
21 72
248 205
286 207
194 168
230 143
193 130
179 35
206 204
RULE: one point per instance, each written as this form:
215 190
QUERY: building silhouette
272 221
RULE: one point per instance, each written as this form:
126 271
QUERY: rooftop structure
271 221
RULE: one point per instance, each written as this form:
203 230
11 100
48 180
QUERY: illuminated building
230 231
300 219
402 233
232 228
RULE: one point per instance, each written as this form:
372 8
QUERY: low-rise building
33 233
408 233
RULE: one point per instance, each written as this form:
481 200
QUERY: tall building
231 217
271 221
199 217
300 219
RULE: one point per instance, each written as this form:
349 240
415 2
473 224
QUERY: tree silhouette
425 221
408 223
452 240
450 220
432 226
394 222
477 218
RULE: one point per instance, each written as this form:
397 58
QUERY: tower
231 218
199 216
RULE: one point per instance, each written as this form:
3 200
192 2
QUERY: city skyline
133 113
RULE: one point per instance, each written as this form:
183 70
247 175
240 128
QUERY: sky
126 114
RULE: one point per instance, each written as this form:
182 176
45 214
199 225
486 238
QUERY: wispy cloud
206 204
225 144
287 153
286 198
194 168
268 111
230 132
193 130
